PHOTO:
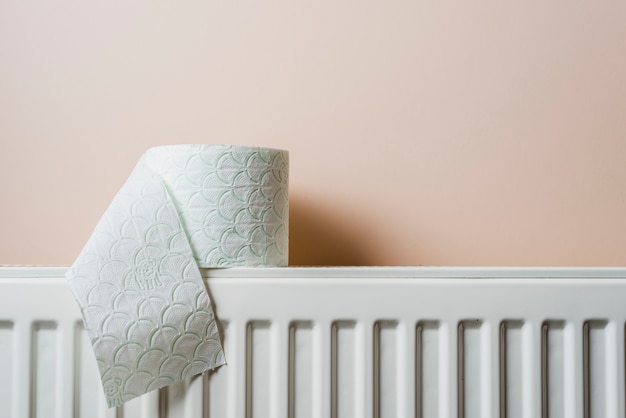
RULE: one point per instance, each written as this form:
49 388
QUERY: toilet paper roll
232 201
137 280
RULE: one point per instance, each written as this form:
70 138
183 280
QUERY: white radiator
348 342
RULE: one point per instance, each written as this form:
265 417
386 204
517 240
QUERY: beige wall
421 132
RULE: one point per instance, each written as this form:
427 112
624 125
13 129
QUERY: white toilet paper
137 281
232 201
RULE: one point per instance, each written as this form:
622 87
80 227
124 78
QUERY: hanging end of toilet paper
117 393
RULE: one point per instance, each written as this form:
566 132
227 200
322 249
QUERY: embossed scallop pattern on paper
145 308
144 303
232 201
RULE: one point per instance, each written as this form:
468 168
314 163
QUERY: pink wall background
421 132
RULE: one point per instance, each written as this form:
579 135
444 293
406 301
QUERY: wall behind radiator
421 132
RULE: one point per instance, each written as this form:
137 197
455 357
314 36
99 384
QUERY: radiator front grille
357 348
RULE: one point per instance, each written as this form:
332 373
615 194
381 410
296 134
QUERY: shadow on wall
318 237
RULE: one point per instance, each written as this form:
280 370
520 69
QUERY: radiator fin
343 365
472 369
428 378
387 363
258 359
599 380
512 369
300 385
6 366
44 369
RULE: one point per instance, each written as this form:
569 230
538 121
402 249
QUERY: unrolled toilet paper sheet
137 280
